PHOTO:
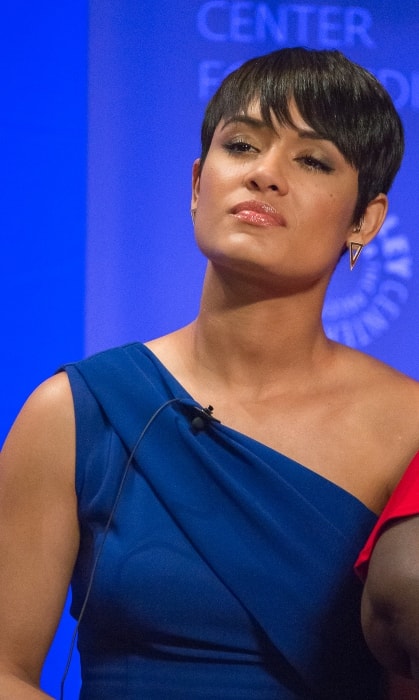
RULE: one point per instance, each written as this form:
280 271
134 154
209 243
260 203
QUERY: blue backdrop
102 104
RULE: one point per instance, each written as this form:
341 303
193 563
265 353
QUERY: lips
258 213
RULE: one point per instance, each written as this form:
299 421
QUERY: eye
239 146
311 163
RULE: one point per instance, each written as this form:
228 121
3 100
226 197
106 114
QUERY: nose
266 174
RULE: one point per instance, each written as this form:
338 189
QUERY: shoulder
395 400
42 438
369 373
50 404
397 390
386 406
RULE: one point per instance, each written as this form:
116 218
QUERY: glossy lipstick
257 213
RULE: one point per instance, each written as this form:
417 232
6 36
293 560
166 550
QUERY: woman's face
276 202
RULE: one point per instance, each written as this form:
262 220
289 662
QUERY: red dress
404 502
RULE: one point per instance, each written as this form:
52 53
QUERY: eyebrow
311 134
245 119
261 124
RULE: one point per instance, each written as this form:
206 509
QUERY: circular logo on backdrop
361 305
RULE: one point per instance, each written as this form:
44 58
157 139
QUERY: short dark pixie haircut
337 98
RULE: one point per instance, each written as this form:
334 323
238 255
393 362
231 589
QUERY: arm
390 605
38 534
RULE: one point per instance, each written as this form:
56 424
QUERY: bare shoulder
43 434
386 406
388 383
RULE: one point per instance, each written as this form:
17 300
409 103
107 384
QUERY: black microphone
202 418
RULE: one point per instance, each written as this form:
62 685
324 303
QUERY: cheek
213 189
206 186
337 207
218 178
344 208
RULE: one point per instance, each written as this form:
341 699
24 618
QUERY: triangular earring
354 253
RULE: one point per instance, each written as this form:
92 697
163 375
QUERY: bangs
322 98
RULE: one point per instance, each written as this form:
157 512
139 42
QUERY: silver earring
193 212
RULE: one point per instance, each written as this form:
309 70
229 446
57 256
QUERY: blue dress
225 570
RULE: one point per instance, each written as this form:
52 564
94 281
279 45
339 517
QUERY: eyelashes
311 163
307 161
239 146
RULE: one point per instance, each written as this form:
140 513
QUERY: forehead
252 116
291 117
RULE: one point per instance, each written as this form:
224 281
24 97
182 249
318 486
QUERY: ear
195 183
371 221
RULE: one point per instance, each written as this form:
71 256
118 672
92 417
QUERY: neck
250 336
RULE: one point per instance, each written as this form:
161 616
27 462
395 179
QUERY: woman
205 562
